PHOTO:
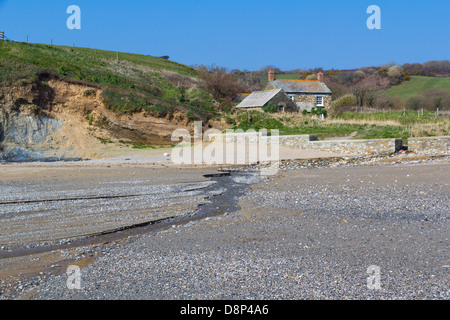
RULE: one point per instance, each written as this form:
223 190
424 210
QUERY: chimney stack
320 76
271 75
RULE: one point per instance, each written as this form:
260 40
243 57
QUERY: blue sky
245 34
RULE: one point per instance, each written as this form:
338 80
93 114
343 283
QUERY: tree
367 90
221 85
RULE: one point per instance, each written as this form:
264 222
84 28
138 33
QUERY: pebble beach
309 232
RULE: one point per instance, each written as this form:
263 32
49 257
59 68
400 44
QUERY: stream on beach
55 209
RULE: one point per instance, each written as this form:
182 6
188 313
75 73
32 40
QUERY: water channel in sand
57 209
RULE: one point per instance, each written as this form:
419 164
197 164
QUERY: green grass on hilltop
22 60
154 63
130 82
418 85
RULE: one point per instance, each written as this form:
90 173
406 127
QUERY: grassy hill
130 82
418 85
20 60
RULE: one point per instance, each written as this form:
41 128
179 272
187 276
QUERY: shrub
344 101
89 92
221 85
395 72
417 102
319 111
384 102
440 98
191 116
430 100
311 77
112 79
230 120
159 111
62 70
123 102
270 108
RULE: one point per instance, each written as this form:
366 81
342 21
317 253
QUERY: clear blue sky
245 34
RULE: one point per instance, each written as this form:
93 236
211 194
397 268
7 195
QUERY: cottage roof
258 98
301 86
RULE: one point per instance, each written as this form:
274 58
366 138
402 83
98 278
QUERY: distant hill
418 85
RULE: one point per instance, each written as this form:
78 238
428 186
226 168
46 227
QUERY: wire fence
3 37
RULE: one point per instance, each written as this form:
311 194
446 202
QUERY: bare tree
368 89
223 86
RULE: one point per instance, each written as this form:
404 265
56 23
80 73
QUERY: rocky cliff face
25 130
65 119
22 134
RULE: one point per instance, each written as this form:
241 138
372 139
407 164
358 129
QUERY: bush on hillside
221 85
430 100
344 101
311 77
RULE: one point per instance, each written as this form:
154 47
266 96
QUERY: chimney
271 75
320 76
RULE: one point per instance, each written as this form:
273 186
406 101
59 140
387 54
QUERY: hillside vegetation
88 98
418 85
130 82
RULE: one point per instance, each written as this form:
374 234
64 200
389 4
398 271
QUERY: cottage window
319 101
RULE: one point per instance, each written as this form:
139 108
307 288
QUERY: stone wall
309 142
357 147
429 145
283 100
298 142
